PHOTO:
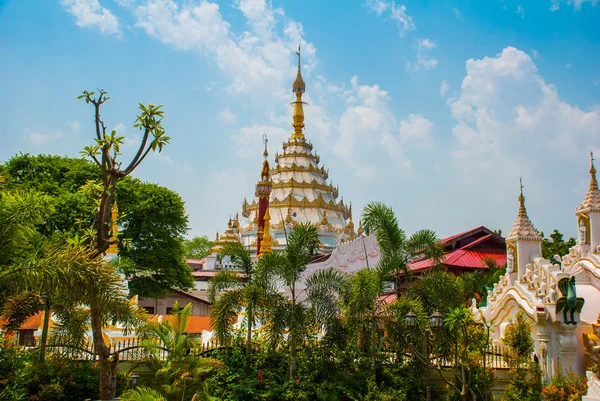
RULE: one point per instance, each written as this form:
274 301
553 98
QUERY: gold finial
522 210
593 181
298 88
265 173
217 236
288 218
299 85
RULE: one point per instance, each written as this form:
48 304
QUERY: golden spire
522 228
591 201
265 173
298 88
360 230
112 249
266 244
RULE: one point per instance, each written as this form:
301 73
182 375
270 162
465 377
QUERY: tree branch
132 165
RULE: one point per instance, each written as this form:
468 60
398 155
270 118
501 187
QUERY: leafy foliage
154 245
556 245
182 374
565 387
525 375
197 247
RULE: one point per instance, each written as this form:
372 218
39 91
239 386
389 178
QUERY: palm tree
230 292
363 308
66 278
182 370
397 251
316 304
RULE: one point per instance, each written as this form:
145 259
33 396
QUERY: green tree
525 374
105 153
556 245
197 247
396 249
154 245
476 284
182 373
437 290
229 292
320 304
363 310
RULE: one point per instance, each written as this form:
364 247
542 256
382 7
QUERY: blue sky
434 107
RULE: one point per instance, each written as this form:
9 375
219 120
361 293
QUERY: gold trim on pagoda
293 184
294 168
290 201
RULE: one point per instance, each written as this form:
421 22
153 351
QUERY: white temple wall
594 230
526 250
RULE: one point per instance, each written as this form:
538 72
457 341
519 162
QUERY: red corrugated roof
462 258
447 240
33 322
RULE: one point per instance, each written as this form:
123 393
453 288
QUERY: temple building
466 252
301 193
561 297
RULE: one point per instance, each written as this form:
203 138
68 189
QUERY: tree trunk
249 340
293 361
373 353
45 327
108 367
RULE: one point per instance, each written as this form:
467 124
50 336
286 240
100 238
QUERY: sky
435 108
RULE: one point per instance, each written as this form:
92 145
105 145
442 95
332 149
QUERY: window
149 309
26 338
169 310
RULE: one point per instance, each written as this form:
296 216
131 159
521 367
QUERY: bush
22 377
569 387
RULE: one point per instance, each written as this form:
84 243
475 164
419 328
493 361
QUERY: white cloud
424 59
227 116
393 11
259 61
520 11
575 3
416 130
248 141
367 130
89 13
458 14
508 120
75 126
39 138
444 88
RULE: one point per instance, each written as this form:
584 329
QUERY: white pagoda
300 193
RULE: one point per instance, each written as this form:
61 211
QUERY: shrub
569 387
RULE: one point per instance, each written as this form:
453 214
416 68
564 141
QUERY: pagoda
301 192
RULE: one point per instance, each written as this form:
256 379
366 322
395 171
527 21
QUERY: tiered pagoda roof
522 228
591 200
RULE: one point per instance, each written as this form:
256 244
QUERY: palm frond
225 280
380 219
239 256
142 393
223 313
